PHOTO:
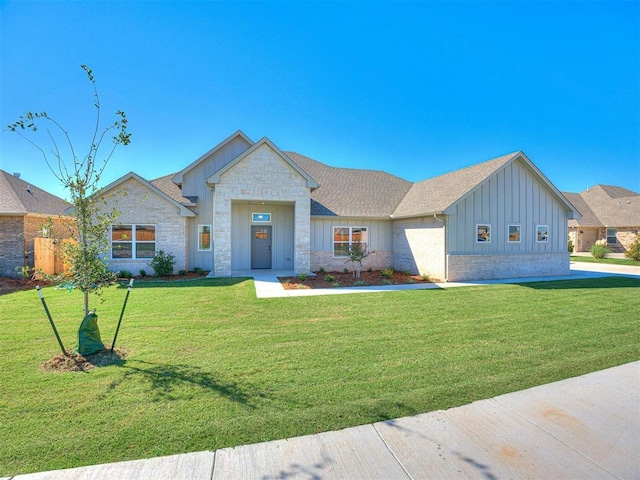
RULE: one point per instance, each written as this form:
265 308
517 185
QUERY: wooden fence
48 255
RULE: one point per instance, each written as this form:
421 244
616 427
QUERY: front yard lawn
210 366
612 261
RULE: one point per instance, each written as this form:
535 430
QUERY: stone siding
261 176
625 237
377 260
142 206
419 246
497 266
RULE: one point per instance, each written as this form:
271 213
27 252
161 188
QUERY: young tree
81 174
357 253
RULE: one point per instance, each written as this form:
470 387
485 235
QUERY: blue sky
413 88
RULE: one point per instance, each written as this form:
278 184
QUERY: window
133 241
612 238
261 217
204 237
483 233
514 233
542 233
344 237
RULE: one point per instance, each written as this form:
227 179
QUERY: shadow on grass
172 382
198 282
597 282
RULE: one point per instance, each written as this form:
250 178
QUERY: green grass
613 261
210 366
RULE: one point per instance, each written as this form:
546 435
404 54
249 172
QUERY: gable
271 158
214 159
608 206
132 179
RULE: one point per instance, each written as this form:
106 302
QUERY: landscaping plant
81 173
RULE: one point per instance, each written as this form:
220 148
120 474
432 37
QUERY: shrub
634 249
182 272
198 271
321 270
570 244
335 284
359 283
162 264
369 269
345 270
411 281
329 278
405 272
425 277
303 276
598 250
143 272
386 281
387 272
125 274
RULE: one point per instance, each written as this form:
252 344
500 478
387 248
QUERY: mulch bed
84 363
341 279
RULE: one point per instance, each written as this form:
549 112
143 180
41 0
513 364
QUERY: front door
260 246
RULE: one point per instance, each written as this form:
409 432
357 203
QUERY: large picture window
344 237
133 241
204 237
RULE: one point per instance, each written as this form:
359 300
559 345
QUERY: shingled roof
606 206
349 192
434 195
20 198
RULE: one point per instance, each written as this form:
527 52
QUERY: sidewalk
267 284
582 427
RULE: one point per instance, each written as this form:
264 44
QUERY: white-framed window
513 235
483 233
261 217
204 238
344 237
612 236
133 241
542 233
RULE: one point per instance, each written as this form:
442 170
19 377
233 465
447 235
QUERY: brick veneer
262 176
496 266
142 206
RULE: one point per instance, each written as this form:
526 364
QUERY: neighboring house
24 209
608 213
248 205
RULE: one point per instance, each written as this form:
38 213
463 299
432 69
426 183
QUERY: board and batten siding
282 231
194 184
379 237
513 196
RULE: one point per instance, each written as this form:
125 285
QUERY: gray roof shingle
436 194
349 192
18 197
606 206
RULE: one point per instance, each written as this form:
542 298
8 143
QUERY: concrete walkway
586 427
267 284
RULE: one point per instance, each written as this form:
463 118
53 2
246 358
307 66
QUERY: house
608 212
24 209
248 205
